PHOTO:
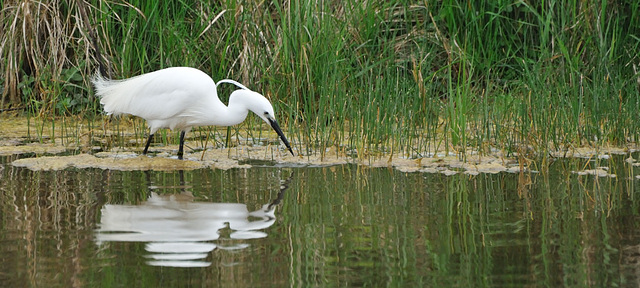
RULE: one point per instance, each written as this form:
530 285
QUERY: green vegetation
368 77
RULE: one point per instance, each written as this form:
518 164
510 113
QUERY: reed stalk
372 77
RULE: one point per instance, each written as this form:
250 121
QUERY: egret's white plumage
180 98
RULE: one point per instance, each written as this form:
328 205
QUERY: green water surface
338 226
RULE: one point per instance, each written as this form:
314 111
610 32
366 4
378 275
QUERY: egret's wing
162 94
160 99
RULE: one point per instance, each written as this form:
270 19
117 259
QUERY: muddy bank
87 149
247 157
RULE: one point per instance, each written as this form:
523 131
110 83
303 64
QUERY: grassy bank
370 77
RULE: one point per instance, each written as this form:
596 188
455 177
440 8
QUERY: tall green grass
368 78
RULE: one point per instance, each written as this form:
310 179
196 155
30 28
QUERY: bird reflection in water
179 231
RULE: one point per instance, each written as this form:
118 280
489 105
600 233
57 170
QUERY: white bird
180 98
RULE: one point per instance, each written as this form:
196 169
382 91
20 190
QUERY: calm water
318 226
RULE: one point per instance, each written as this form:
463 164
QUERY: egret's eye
266 113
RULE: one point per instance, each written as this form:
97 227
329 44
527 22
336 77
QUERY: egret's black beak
275 126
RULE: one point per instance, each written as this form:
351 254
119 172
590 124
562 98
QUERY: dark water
327 227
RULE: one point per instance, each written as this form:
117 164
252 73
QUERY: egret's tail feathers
115 95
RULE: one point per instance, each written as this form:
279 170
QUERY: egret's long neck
223 115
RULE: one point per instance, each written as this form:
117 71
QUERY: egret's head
261 106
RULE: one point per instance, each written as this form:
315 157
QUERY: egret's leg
146 147
181 149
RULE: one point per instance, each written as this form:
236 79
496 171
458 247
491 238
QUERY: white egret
180 98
